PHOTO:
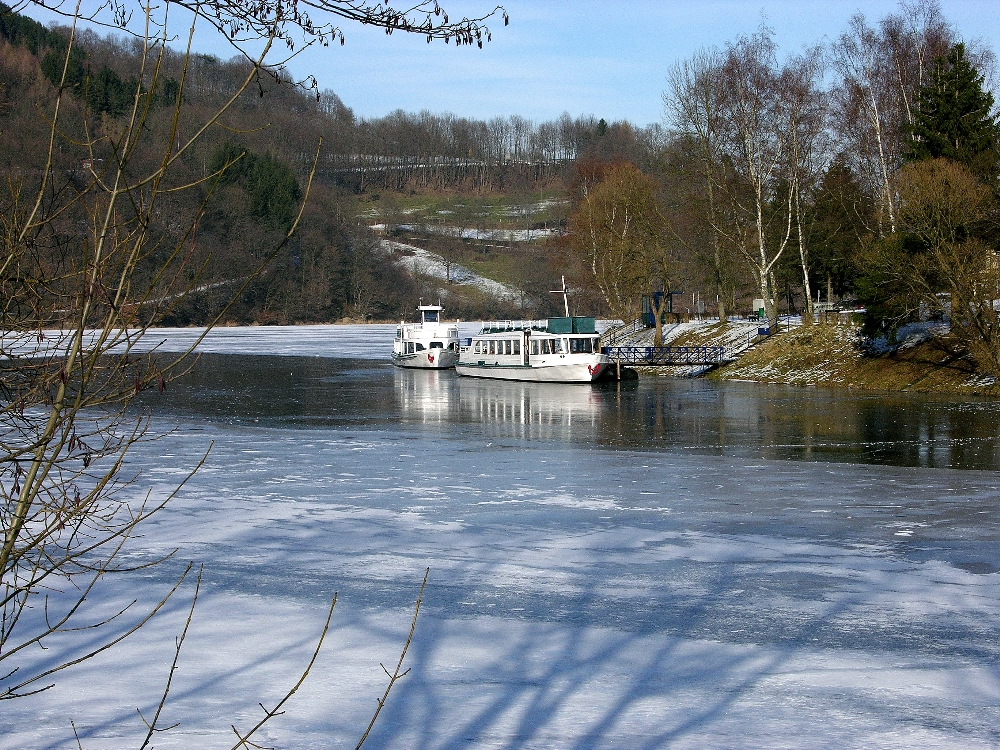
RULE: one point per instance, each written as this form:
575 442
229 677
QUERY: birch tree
752 122
807 149
692 109
882 70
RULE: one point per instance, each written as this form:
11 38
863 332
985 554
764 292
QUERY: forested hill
334 267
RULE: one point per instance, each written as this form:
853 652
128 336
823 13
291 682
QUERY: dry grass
830 355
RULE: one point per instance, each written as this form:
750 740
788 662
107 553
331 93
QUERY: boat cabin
520 344
429 313
412 347
563 350
429 334
518 349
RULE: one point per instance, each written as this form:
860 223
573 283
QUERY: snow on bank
909 336
734 335
416 260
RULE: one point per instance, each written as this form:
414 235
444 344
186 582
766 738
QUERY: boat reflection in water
514 408
428 396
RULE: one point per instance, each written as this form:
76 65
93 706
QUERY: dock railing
613 335
716 354
666 355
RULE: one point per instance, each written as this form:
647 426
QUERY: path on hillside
417 260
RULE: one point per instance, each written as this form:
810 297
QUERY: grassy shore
831 355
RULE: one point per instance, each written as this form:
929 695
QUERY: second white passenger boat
558 350
430 344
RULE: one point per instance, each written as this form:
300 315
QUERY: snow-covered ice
606 570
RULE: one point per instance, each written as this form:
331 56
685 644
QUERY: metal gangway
616 343
667 355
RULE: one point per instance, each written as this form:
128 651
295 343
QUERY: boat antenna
564 292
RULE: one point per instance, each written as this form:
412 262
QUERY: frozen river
667 564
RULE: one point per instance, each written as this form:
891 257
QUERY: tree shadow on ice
204 683
578 686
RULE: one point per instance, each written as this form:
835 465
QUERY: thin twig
397 675
151 726
271 713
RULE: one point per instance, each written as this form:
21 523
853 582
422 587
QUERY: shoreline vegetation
926 361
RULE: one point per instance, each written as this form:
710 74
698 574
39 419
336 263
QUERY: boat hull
428 359
556 373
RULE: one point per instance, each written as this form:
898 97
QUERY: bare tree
881 72
692 107
620 235
754 142
807 149
943 263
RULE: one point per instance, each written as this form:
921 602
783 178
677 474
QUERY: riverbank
832 355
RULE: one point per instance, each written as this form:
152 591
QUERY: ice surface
583 594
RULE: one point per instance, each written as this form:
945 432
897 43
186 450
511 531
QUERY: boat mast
564 292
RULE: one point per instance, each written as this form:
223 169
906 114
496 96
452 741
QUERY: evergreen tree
272 192
955 118
839 220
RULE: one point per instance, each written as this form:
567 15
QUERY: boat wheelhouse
561 350
430 344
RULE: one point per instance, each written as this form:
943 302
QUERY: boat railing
502 326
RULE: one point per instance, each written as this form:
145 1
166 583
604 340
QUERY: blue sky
602 57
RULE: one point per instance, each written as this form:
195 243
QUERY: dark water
658 414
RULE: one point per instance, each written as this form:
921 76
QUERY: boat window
581 346
493 347
437 345
420 347
409 348
557 346
508 347
477 346
597 345
399 333
534 346
517 346
430 316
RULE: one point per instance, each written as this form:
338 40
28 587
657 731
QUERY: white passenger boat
559 350
429 344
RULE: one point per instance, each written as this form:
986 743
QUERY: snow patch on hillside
416 260
466 233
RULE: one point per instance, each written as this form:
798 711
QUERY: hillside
487 196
